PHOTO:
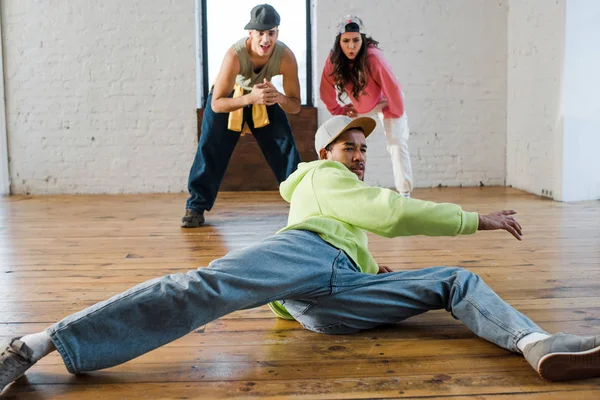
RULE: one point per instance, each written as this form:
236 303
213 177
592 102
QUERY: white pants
396 133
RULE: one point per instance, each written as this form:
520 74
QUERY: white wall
553 108
4 175
450 57
581 145
536 32
100 96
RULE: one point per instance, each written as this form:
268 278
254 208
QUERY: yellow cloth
236 118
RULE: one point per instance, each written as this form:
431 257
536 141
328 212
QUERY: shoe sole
16 379
187 223
10 383
570 366
190 225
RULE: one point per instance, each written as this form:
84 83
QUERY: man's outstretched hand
501 220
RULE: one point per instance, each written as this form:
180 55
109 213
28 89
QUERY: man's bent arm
221 102
290 101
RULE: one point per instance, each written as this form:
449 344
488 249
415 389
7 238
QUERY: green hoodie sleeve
341 195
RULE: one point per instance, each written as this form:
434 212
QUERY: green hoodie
328 199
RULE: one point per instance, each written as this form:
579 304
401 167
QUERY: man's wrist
280 98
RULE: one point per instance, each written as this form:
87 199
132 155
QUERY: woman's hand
350 111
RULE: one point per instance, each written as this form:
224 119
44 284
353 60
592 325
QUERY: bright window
224 25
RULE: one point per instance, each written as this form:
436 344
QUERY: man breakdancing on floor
318 271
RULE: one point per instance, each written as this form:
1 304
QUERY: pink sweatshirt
381 85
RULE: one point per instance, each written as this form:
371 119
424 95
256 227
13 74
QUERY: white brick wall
450 57
536 34
4 176
100 96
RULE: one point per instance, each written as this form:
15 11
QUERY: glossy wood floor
61 254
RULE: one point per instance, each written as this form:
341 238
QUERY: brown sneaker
192 219
15 359
565 357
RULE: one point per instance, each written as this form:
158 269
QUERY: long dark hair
351 71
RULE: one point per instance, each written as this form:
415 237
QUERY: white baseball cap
350 23
334 127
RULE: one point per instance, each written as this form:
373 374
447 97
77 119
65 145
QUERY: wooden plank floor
60 254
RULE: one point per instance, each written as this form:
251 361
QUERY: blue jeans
317 283
216 146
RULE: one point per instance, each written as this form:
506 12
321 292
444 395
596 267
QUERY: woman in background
357 69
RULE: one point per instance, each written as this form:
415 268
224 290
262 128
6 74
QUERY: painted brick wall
536 34
100 96
450 57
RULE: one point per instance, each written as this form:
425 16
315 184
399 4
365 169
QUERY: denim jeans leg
360 301
215 148
290 264
277 143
